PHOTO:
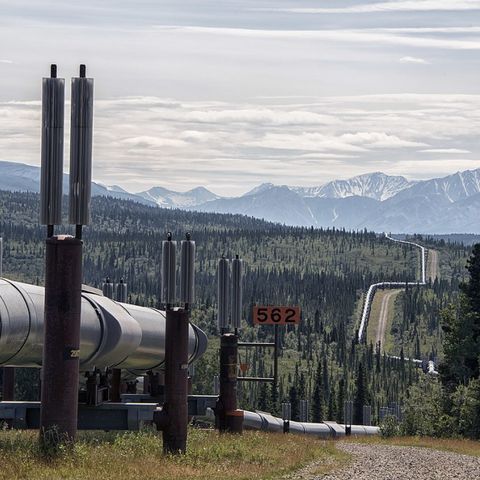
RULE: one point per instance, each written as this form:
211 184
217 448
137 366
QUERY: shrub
389 427
466 409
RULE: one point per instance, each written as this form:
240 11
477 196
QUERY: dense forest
326 272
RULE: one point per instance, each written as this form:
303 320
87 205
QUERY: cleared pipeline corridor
367 306
384 317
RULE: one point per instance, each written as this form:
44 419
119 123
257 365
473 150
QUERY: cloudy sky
230 94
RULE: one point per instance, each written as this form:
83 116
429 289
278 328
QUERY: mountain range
374 201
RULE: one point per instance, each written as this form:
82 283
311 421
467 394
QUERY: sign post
272 315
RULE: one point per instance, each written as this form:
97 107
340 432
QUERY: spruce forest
325 272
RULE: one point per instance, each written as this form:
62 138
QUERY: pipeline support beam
8 386
61 354
228 417
115 385
174 416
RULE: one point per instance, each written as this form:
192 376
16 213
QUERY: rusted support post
60 366
153 384
228 418
175 408
115 385
8 386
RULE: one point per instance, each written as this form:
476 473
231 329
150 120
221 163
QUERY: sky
230 94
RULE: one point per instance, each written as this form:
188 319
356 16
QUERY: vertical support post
275 361
286 416
1 257
61 347
367 415
348 415
216 385
228 418
8 387
153 381
175 408
115 385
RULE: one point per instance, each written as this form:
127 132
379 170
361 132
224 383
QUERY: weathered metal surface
169 271
175 408
223 293
121 291
108 416
61 345
53 100
187 272
228 418
8 383
112 334
81 144
115 385
237 292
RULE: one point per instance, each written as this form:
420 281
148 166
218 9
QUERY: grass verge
138 455
456 445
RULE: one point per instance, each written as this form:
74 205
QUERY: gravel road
383 317
379 462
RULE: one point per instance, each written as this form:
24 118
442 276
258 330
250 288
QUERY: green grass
138 455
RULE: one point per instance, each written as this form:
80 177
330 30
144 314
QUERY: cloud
379 140
146 142
416 60
445 150
5 61
229 146
392 6
366 35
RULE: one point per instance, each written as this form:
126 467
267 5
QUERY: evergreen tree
318 408
295 403
263 398
360 396
462 331
341 400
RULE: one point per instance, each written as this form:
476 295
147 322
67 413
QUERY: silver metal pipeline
265 421
112 334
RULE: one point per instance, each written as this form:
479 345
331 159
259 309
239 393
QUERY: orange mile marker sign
276 315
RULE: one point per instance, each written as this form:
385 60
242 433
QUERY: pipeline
113 334
431 370
373 288
268 423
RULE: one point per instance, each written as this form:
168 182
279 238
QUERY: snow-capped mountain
170 199
18 177
450 189
259 189
374 201
372 185
275 204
